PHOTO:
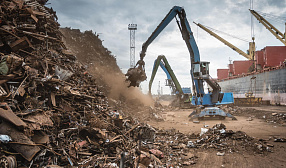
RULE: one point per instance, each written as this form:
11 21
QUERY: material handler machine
183 94
199 69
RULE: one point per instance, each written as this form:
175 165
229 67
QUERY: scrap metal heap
52 113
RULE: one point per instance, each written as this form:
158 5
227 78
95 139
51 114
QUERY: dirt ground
251 120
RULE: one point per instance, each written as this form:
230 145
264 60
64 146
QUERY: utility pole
132 27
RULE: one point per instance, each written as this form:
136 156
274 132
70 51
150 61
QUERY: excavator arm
135 74
168 18
164 64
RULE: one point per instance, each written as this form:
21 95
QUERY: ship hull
270 85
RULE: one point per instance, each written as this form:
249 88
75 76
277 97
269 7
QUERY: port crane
278 34
251 51
199 69
183 94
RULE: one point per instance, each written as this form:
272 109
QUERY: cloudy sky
110 18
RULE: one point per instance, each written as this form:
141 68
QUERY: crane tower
132 27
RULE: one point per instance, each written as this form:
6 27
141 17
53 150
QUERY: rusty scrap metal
26 150
10 116
54 111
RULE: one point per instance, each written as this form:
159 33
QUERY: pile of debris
230 141
88 48
279 118
100 62
50 105
53 114
52 111
271 116
175 147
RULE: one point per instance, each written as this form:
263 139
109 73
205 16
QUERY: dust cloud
118 87
102 65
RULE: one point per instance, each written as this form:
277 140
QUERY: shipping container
230 71
242 67
259 59
222 74
274 55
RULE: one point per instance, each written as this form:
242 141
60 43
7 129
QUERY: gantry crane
251 50
280 36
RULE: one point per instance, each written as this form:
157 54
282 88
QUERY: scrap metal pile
50 105
273 116
228 141
52 113
279 118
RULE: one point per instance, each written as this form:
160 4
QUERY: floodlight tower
132 27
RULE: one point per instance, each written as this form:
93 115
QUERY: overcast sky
110 18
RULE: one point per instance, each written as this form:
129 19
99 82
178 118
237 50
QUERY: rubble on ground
52 110
54 114
279 118
223 140
268 116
